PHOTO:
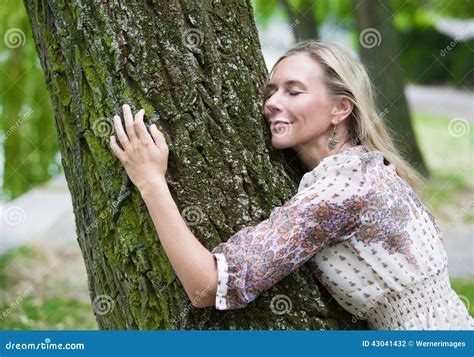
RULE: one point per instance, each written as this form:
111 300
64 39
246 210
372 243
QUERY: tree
380 49
197 70
302 19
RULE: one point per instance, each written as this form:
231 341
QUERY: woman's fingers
135 131
121 135
158 137
127 114
140 128
116 149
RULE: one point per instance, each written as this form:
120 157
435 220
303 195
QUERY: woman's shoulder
355 161
353 156
366 158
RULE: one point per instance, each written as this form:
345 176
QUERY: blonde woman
356 217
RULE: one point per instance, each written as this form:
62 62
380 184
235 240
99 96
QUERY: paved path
460 248
44 213
441 100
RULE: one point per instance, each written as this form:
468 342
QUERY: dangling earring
332 141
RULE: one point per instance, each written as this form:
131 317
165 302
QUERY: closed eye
293 93
267 95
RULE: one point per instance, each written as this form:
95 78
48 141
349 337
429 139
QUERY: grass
8 258
449 191
49 314
465 289
450 159
35 294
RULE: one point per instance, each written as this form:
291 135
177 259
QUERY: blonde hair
346 77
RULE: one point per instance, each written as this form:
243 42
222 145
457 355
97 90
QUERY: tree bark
197 70
380 48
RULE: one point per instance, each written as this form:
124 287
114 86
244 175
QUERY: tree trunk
197 70
380 50
301 19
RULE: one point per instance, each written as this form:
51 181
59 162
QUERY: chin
281 144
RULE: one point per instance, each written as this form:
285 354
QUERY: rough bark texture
380 51
206 97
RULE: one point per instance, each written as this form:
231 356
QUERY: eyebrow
290 82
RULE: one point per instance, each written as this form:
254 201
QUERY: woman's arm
193 263
145 159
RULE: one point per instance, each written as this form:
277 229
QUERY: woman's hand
144 157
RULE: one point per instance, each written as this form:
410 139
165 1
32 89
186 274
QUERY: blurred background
43 282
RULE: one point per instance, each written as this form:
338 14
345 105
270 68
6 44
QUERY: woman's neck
312 155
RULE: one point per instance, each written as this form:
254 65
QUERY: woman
356 218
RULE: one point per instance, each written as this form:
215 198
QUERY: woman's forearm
193 263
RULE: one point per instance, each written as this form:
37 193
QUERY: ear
341 110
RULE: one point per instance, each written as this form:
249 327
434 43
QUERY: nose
273 105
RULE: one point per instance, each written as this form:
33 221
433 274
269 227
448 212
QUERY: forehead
299 67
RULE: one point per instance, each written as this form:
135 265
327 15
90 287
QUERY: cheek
313 109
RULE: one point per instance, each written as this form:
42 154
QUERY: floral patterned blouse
366 235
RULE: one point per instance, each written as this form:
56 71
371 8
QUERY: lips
279 123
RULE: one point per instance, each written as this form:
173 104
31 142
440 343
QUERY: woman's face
297 106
